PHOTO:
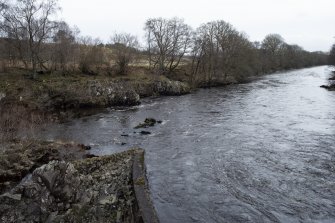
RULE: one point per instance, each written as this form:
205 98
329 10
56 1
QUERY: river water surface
263 151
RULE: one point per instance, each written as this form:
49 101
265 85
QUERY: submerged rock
145 133
148 122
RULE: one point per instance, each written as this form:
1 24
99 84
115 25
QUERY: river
262 151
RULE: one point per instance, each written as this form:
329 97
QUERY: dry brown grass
18 121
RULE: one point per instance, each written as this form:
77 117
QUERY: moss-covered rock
148 122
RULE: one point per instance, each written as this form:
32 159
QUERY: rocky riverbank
61 182
84 92
51 182
331 85
20 158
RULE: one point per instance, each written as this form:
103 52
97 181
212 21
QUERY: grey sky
308 23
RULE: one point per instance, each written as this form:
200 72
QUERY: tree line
211 54
331 59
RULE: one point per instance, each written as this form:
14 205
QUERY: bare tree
168 40
28 24
125 48
290 56
271 46
219 51
272 43
64 46
206 35
92 55
3 5
197 54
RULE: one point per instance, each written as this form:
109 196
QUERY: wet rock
148 122
145 133
88 156
329 87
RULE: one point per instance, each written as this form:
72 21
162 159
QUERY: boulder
19 159
92 190
148 122
145 133
171 88
112 94
163 87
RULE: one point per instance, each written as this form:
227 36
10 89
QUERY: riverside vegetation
48 72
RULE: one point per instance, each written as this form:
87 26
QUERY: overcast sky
308 23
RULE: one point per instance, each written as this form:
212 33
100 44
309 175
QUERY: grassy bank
48 91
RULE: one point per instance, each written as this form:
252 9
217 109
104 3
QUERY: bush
17 119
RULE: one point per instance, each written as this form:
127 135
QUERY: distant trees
209 50
91 55
220 51
271 48
27 24
125 50
276 54
168 41
331 58
215 53
64 48
272 43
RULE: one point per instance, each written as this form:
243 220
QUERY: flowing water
263 151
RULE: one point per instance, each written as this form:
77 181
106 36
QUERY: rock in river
148 122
